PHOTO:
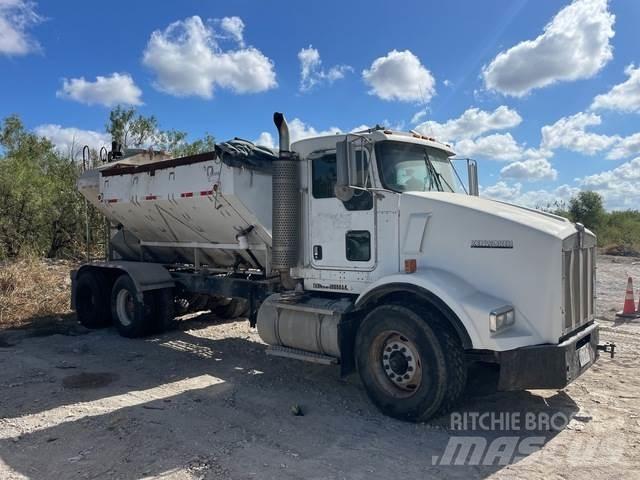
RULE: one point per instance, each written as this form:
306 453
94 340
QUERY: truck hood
548 223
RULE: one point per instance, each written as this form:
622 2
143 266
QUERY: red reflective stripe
150 197
112 200
186 194
204 193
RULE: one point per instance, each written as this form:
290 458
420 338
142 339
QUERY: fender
146 276
456 299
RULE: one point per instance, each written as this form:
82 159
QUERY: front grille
578 279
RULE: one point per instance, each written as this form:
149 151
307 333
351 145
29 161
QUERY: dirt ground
206 402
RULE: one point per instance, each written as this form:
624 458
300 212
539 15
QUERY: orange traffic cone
629 308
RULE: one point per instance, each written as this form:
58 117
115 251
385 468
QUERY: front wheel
411 364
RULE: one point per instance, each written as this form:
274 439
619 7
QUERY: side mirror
352 167
472 174
342 189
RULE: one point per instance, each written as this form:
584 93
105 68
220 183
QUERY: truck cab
351 223
386 221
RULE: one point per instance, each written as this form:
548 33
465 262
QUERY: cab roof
308 145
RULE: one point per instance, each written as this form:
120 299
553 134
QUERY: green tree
131 129
39 205
587 208
41 211
205 144
134 130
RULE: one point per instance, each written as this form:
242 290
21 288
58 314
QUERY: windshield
409 167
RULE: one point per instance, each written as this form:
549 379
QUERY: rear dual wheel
410 362
137 314
91 299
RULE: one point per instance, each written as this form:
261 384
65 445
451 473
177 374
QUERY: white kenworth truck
361 250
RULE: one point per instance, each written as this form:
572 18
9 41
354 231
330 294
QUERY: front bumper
549 366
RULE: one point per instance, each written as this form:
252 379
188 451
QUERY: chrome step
278 351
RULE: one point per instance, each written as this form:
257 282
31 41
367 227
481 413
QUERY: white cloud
618 187
16 17
570 133
499 146
188 61
531 170
298 130
266 140
119 88
234 27
626 147
312 73
418 117
69 141
472 123
574 45
502 191
400 76
625 96
360 128
542 198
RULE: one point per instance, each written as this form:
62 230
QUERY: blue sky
545 94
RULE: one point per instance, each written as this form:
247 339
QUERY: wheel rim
399 363
125 307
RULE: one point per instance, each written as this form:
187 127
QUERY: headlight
501 318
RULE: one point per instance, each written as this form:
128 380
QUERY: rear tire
92 300
411 364
132 317
163 310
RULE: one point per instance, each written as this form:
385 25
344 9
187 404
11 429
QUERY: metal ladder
86 158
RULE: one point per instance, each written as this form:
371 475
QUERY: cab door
342 233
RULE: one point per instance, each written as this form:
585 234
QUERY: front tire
411 364
132 317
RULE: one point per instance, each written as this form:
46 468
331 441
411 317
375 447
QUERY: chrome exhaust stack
286 204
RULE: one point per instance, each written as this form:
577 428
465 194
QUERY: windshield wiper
441 177
433 173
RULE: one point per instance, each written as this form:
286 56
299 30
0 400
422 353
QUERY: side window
358 245
324 176
360 169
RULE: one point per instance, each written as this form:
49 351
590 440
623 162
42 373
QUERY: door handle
317 252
